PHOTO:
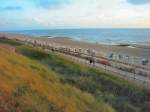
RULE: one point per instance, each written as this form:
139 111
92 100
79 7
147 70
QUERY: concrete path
127 75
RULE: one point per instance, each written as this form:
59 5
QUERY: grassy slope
28 86
123 95
90 84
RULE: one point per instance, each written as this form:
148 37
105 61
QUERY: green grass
11 42
123 95
29 86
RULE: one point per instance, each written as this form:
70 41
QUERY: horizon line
76 28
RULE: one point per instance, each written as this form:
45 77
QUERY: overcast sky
44 14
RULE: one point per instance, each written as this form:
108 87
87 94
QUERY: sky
52 14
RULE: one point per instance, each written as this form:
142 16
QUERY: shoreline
101 48
143 45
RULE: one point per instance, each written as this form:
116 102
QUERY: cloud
138 2
75 13
47 4
94 13
11 8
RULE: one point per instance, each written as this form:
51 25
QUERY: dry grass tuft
28 86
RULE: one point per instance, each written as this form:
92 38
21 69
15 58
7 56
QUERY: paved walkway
111 69
140 79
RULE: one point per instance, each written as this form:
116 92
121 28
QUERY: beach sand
101 49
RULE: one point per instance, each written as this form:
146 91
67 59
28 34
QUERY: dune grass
83 88
9 41
29 86
122 95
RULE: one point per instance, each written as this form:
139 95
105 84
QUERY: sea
97 35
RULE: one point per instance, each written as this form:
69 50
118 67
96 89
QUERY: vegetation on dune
63 85
8 41
123 95
28 86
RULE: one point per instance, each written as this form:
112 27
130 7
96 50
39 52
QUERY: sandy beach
101 49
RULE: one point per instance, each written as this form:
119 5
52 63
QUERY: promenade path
108 69
145 80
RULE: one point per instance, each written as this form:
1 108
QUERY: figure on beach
92 61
